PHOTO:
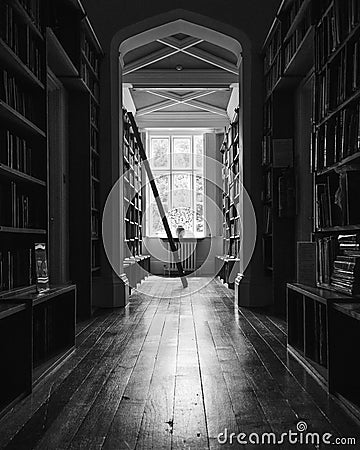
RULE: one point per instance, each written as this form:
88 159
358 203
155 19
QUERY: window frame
170 171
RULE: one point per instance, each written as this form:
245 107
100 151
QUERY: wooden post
159 204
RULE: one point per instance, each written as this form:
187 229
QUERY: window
177 162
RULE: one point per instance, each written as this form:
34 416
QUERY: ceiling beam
157 56
188 119
202 55
206 107
173 99
186 77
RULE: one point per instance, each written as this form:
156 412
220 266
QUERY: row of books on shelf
94 196
234 248
94 113
95 166
132 230
134 247
346 272
19 209
16 268
22 42
273 75
234 189
90 81
33 8
291 46
131 189
279 152
13 93
268 220
268 115
235 226
337 200
15 152
267 186
290 14
94 226
91 55
338 138
339 81
273 47
334 27
339 262
94 139
134 214
266 149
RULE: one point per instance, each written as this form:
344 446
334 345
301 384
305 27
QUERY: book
306 263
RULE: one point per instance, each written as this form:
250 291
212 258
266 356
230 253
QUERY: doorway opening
183 84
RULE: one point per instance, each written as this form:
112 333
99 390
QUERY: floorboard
175 369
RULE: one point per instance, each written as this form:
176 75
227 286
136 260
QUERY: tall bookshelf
288 59
336 146
135 264
23 157
324 320
231 163
80 55
32 325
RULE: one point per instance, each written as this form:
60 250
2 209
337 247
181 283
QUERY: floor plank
173 370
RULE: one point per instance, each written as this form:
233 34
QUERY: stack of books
346 272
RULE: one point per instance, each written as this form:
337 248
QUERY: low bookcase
38 332
322 327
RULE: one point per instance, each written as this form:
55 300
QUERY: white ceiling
180 81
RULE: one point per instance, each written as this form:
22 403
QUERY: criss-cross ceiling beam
173 99
201 55
159 55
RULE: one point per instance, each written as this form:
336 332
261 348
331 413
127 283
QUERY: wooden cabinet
15 353
322 327
37 332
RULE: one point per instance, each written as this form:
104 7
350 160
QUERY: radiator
187 255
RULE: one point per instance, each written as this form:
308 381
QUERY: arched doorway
159 27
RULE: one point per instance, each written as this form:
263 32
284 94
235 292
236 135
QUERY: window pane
162 183
182 153
181 216
160 150
181 193
156 225
199 151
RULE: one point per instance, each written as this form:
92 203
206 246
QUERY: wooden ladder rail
159 204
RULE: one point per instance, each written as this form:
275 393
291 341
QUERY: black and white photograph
179 224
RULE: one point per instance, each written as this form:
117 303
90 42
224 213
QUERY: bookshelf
336 148
23 157
327 315
288 62
37 330
75 57
135 264
231 164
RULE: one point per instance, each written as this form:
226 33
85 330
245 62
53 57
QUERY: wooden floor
173 372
